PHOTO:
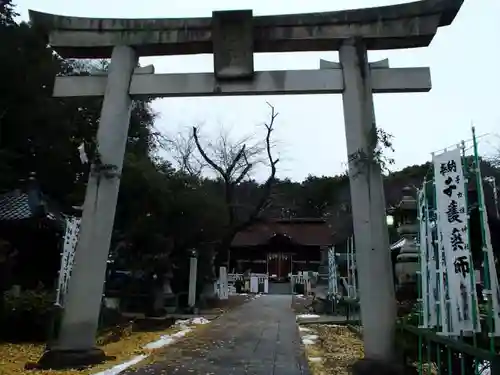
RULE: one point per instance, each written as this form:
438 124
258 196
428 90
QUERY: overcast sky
310 130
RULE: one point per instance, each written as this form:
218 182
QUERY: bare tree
233 163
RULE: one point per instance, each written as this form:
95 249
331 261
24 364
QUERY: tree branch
236 160
264 200
205 155
245 171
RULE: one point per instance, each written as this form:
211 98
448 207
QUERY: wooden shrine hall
278 247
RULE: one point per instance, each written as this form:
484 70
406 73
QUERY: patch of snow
167 339
122 366
310 337
300 296
304 329
182 333
306 316
200 320
184 323
315 359
161 342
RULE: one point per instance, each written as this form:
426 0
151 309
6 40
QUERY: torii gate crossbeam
286 82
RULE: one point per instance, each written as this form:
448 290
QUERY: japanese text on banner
452 222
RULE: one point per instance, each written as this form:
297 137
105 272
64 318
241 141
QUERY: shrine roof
18 205
405 25
300 231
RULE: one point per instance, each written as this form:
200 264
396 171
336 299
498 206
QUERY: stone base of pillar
367 366
57 359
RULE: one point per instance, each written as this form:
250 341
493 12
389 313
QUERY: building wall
261 258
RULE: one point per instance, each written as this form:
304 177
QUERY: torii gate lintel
286 82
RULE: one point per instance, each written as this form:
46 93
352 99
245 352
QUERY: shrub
27 316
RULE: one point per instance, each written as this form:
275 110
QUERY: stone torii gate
233 37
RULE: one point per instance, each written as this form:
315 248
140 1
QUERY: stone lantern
406 248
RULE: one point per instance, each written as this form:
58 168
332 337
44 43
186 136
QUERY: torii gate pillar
82 306
373 262
376 287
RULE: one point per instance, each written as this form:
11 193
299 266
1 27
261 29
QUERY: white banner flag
432 276
67 257
332 273
453 240
432 263
443 309
493 278
428 280
424 274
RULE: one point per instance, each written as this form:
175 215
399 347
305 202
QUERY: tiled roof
15 205
309 232
19 205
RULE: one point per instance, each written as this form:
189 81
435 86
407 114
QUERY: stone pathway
280 288
260 337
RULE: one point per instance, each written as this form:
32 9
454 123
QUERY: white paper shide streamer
453 241
67 257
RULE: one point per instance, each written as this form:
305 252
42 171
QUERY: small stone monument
223 285
193 270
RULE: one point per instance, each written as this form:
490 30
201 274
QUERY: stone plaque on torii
233 37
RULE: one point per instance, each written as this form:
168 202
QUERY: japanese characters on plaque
453 238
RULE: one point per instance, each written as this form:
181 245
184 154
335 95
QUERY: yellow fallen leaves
195 345
335 349
13 357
